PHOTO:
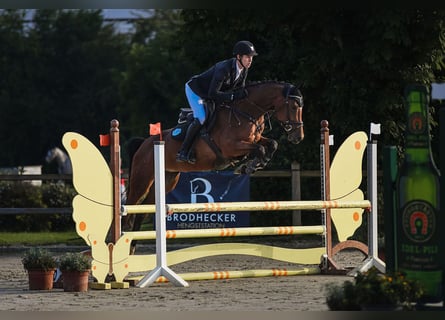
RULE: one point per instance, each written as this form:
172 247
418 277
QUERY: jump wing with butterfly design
345 179
93 207
92 179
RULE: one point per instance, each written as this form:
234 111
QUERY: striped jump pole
228 232
234 274
248 206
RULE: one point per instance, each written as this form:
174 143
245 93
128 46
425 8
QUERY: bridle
290 125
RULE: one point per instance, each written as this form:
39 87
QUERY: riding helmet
244 48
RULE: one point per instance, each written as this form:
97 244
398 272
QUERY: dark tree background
67 70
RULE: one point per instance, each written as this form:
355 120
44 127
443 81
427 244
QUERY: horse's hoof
239 169
244 170
249 170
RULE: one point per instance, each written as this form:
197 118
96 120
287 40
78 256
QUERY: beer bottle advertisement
417 219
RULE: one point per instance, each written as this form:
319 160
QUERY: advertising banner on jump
201 187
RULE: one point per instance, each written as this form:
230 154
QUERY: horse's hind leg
171 180
129 220
138 219
140 182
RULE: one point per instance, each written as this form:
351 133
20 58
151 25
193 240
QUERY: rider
223 82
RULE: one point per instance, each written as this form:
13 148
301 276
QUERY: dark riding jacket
218 82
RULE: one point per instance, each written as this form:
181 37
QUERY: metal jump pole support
161 268
372 259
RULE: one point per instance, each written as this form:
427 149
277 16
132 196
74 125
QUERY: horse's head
50 155
283 100
62 159
289 111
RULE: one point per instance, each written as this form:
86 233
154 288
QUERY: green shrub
38 259
74 261
372 288
24 195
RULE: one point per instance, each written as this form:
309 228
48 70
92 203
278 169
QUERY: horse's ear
299 84
297 92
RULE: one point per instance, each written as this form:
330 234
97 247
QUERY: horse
62 159
233 137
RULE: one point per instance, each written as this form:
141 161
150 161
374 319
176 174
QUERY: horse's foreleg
270 147
260 155
253 160
128 222
138 219
137 194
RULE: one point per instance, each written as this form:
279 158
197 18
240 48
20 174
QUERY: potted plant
373 290
40 265
75 268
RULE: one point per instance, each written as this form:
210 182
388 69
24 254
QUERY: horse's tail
132 146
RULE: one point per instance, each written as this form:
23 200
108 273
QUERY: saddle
186 117
184 120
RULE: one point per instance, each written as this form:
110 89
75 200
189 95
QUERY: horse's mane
257 83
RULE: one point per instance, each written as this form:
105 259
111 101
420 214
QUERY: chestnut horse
232 138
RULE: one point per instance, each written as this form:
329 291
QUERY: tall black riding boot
184 153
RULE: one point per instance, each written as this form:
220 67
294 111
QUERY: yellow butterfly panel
93 206
345 179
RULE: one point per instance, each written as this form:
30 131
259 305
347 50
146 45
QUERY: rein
263 110
288 125
251 119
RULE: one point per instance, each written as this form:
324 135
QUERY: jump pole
249 206
161 244
234 274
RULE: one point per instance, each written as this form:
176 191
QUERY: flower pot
75 281
41 279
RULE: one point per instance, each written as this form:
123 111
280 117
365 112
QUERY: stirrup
191 156
181 157
191 160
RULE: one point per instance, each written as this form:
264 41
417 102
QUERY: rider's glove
239 94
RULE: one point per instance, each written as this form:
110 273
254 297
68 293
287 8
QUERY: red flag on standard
155 128
104 140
